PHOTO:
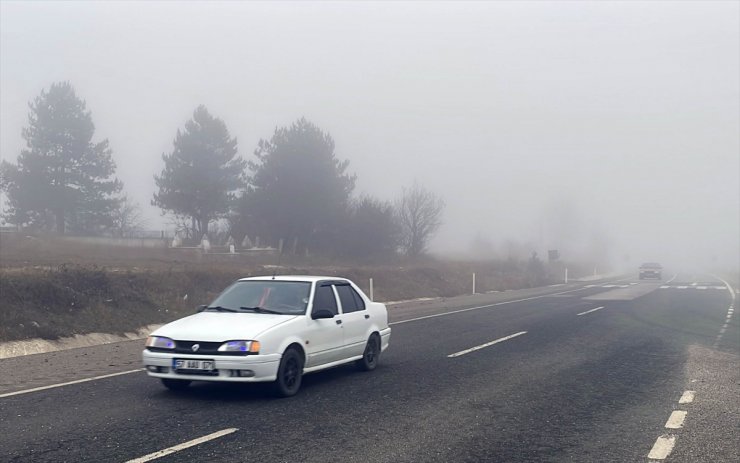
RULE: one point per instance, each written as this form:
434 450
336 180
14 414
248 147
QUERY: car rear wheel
290 373
175 384
370 357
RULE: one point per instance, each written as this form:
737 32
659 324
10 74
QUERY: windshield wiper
218 308
261 310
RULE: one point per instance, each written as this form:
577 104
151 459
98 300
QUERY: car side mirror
201 308
322 313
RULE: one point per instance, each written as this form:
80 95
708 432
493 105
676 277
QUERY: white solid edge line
687 397
662 447
675 421
77 381
418 299
183 446
443 314
589 311
672 278
472 349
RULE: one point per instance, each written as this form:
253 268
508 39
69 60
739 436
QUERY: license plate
186 364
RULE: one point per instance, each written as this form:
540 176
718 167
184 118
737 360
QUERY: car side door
324 337
355 319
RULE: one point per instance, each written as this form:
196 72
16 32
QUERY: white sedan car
271 329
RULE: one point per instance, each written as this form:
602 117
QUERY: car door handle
338 322
367 316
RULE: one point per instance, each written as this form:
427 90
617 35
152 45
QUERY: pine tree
202 174
62 180
299 191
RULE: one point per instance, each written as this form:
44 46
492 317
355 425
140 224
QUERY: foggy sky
555 123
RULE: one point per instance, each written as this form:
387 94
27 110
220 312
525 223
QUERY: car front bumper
250 368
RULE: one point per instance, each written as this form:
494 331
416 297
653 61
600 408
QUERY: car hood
221 326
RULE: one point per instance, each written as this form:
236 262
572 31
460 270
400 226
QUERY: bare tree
183 228
127 218
419 215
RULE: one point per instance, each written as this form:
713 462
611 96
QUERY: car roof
306 278
650 264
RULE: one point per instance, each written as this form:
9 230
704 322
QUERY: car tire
289 374
371 355
176 384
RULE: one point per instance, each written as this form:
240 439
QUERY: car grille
204 348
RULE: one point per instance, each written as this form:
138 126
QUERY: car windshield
269 297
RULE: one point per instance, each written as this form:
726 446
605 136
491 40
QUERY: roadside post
371 290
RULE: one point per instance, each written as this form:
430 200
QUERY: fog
578 126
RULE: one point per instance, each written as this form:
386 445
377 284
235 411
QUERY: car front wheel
290 373
369 360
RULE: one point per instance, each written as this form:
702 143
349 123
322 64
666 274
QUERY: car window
285 297
349 298
324 299
358 299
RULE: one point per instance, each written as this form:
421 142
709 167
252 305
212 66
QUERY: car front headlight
244 347
159 342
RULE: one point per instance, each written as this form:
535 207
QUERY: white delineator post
473 282
566 274
371 290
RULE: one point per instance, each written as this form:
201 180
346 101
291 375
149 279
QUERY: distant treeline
293 190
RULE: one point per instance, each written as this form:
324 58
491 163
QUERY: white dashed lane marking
687 397
183 446
473 349
675 421
667 286
662 447
589 311
730 312
664 444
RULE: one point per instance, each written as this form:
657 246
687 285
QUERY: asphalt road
581 372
